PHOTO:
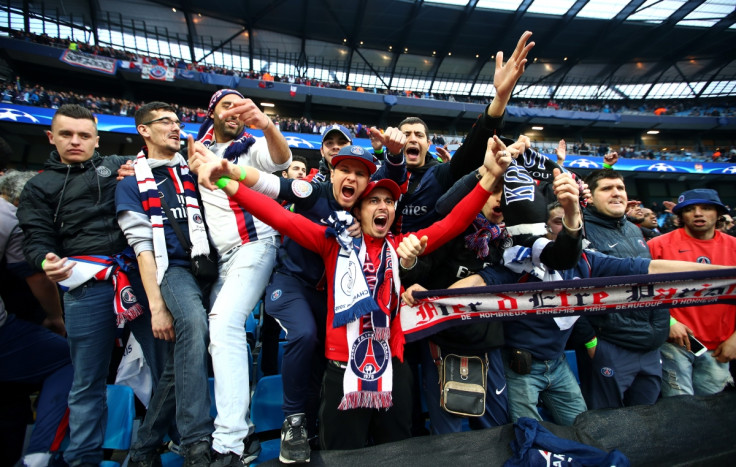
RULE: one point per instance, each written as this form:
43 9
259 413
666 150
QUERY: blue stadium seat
259 369
266 414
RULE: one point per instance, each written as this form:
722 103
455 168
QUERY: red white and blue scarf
184 185
369 299
102 268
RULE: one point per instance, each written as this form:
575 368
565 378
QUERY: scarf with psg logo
104 268
184 185
368 379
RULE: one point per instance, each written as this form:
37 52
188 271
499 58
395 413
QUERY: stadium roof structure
585 49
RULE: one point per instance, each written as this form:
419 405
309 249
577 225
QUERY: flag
292 91
157 72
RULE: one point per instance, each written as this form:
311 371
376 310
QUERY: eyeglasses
165 121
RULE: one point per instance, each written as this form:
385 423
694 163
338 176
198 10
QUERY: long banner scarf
366 312
185 185
102 268
440 309
524 260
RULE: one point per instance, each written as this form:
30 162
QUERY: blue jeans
32 354
553 382
497 403
244 274
183 390
91 330
684 373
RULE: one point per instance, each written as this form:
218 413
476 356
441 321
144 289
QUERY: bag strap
175 225
436 353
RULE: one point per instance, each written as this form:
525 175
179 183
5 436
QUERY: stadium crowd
179 245
644 107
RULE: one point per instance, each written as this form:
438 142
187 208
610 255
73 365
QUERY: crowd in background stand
645 107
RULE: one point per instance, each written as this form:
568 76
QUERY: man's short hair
414 121
74 111
143 114
600 174
301 159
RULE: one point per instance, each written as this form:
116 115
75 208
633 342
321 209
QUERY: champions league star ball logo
370 357
729 170
296 142
584 164
661 167
17 115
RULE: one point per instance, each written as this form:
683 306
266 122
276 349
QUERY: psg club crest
127 297
370 357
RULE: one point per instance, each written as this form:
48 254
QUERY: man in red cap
364 343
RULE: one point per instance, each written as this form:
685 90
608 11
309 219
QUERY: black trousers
352 429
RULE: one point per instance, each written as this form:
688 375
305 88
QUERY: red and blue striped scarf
185 185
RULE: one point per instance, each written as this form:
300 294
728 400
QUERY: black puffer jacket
70 209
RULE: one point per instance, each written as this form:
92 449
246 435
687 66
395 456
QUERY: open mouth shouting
412 154
380 223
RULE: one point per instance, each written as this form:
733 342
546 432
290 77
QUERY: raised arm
497 160
297 227
249 113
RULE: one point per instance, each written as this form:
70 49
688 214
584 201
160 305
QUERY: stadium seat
266 414
259 369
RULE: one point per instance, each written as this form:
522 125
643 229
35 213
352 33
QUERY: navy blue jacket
540 335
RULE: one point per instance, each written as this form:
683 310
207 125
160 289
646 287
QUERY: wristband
242 173
607 166
43 266
591 343
376 151
568 227
416 260
267 125
222 182
672 320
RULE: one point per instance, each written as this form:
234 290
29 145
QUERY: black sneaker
294 442
231 459
150 460
197 454
252 450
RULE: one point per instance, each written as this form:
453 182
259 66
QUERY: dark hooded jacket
69 210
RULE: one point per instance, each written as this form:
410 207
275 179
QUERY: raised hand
392 139
443 153
610 158
506 75
248 113
497 158
411 247
561 152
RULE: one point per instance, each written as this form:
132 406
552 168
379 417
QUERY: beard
222 128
